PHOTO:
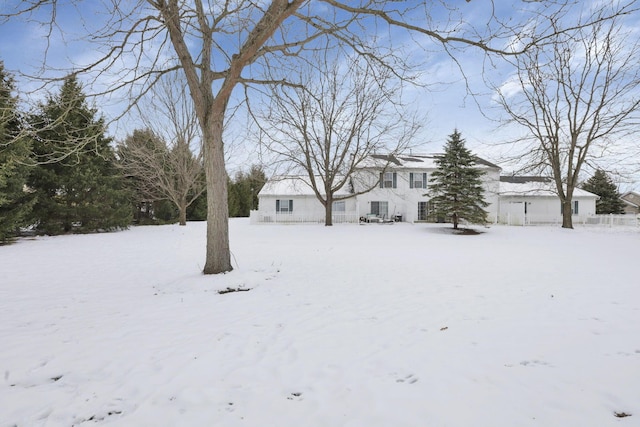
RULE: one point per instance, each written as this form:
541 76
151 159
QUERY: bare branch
221 44
577 97
326 128
161 158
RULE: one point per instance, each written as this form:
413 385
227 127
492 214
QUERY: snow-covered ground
375 325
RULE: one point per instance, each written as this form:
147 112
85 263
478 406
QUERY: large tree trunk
182 209
218 258
567 220
328 212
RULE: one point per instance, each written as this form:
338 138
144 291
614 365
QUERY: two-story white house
400 193
403 193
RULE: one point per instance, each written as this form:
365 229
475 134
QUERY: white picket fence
591 220
506 219
614 220
285 218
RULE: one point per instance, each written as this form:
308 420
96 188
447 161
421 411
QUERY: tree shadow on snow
460 231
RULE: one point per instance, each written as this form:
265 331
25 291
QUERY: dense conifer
15 201
77 185
243 191
456 186
602 185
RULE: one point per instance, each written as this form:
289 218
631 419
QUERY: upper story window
417 180
388 180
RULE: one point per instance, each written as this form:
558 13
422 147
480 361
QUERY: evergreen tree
233 197
77 185
15 202
457 186
239 196
149 207
602 185
257 179
243 191
197 211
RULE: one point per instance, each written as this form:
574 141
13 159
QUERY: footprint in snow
409 379
295 396
534 363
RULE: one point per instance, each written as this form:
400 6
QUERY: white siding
541 209
491 182
306 208
403 198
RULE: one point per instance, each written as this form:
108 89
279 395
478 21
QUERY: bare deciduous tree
330 124
576 97
163 171
220 45
166 159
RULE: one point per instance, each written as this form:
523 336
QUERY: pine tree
77 185
149 207
257 179
602 185
15 202
243 191
197 211
456 185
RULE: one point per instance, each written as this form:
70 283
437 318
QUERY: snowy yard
360 326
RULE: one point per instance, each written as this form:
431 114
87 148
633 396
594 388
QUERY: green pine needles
602 185
456 187
15 203
76 184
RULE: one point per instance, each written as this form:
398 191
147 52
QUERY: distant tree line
60 172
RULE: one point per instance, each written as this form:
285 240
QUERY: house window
388 180
339 206
284 206
380 208
422 211
574 208
417 180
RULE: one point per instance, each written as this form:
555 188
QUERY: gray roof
524 179
294 185
420 160
631 198
538 186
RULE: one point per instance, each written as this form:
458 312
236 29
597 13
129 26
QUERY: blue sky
445 102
